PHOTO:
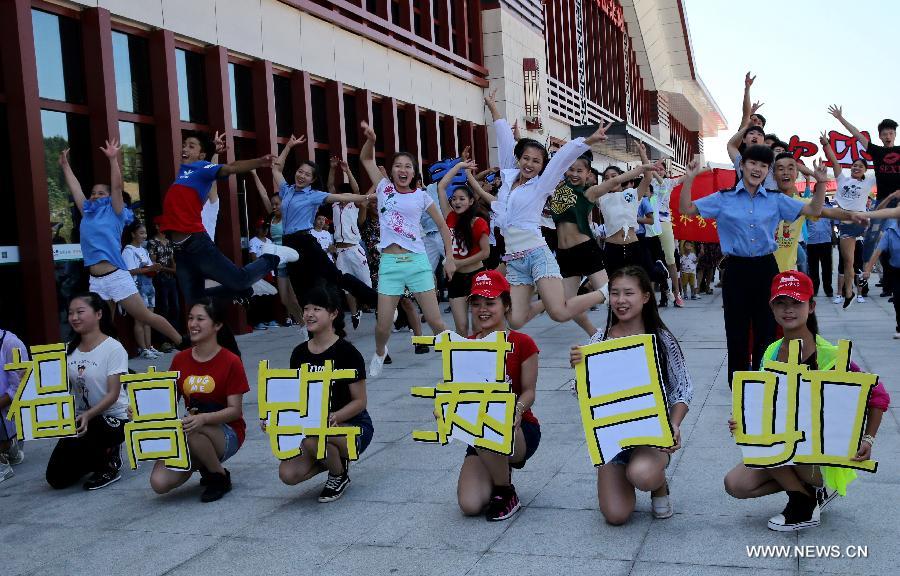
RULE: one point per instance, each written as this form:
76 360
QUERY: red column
100 85
480 145
391 137
165 106
28 175
334 106
363 114
449 145
412 132
302 112
264 115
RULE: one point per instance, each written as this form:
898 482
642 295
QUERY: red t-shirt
207 385
479 229
523 349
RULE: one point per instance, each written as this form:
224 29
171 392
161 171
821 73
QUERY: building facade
74 73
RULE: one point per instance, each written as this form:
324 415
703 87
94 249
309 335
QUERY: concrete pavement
399 515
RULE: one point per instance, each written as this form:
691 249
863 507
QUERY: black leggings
75 456
745 295
892 274
315 266
819 257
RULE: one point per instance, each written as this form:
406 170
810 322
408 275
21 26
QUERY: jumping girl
632 310
485 479
404 262
213 383
809 488
104 217
324 319
299 203
471 241
529 177
95 362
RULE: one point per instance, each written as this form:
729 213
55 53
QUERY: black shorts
580 260
493 260
460 285
532 434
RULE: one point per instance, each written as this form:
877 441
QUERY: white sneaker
6 471
662 506
860 299
896 335
263 288
148 354
284 253
377 364
303 333
838 299
598 335
14 454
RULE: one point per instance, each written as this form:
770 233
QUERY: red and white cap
792 284
489 284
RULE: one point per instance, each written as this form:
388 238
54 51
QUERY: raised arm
829 153
278 167
332 168
351 179
72 182
213 195
263 194
838 113
367 155
888 198
685 205
491 102
239 166
447 179
813 208
111 151
565 156
598 190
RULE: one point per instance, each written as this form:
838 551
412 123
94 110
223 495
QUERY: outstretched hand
748 80
64 158
111 149
836 111
466 153
819 171
823 140
693 169
219 142
599 134
293 141
491 99
368 132
756 106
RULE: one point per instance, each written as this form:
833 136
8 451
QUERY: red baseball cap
792 284
489 284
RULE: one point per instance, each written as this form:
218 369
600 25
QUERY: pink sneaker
679 302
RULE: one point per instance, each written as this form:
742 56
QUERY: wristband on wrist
868 438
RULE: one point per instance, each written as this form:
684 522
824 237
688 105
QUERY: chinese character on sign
474 402
789 414
295 405
42 406
621 397
155 431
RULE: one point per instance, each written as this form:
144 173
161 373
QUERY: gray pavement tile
714 540
241 556
181 512
573 533
366 560
494 564
670 569
27 548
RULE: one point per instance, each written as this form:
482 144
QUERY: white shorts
353 261
434 247
115 286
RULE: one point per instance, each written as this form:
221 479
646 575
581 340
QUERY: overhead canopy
621 142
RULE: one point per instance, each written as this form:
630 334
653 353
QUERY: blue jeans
197 259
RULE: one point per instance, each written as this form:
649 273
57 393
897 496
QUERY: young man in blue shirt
196 257
747 216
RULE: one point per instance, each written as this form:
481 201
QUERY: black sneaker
824 497
663 303
100 479
802 511
387 359
503 505
354 319
334 488
115 460
217 486
849 301
884 294
421 349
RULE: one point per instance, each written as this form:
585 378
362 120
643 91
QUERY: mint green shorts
399 271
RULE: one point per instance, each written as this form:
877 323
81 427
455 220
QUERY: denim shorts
366 430
850 230
409 270
532 434
231 443
532 266
624 457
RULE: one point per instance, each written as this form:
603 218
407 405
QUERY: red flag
697 228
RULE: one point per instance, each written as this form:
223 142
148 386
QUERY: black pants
315 266
892 274
889 282
621 255
74 457
745 294
820 255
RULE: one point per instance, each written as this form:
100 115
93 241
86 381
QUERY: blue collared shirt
298 207
819 231
890 242
746 223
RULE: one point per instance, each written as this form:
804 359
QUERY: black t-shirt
887 168
344 355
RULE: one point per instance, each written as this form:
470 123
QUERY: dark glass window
320 113
132 62
240 81
372 6
284 111
351 123
423 135
378 125
323 164
395 12
401 128
191 86
12 313
138 159
57 47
